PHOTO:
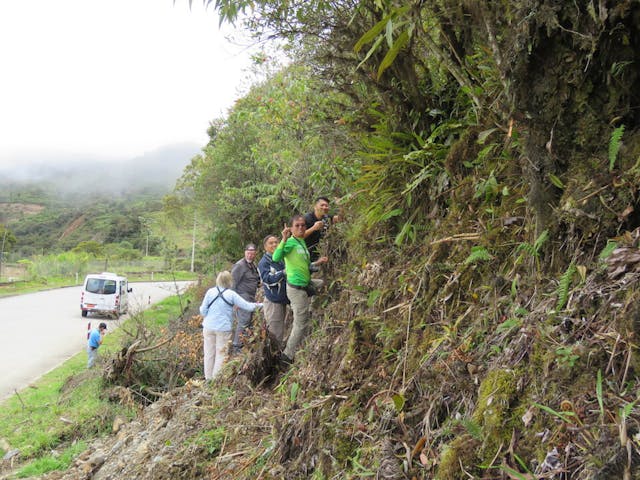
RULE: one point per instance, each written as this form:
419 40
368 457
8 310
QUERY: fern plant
478 254
400 176
614 145
534 250
564 285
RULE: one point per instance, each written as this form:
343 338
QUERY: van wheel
84 313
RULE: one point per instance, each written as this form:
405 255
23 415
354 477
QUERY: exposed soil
15 210
73 226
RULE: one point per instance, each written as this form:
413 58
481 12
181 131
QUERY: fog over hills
70 175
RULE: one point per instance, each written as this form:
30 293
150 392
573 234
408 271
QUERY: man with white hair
246 280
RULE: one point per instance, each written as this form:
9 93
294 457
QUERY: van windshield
100 285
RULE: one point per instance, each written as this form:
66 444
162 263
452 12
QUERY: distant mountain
74 177
54 203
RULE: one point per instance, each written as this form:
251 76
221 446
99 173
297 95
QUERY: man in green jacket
298 266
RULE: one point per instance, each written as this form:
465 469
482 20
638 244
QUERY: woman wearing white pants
216 310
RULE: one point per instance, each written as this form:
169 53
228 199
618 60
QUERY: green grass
162 312
67 407
20 287
211 440
48 463
161 276
64 406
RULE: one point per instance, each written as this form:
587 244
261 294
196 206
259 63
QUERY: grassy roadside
51 421
31 286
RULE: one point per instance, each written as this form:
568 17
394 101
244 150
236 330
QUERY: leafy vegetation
614 145
107 221
267 159
477 122
7 239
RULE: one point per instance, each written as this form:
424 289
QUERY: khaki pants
300 303
274 314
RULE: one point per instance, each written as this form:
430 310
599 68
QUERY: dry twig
457 237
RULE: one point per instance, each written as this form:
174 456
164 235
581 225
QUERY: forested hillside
53 208
486 156
480 317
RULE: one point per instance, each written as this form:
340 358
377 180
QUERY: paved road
39 331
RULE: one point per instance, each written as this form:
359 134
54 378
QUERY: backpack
220 296
275 286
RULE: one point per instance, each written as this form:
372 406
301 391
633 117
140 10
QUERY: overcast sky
114 78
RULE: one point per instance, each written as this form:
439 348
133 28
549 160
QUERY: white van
104 293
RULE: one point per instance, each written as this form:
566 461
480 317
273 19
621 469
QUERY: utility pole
193 243
145 224
2 252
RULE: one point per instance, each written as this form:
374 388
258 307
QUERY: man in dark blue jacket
275 290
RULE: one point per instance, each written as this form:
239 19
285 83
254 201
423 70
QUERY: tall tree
280 146
7 239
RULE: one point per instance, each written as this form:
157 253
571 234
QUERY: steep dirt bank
426 369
